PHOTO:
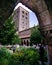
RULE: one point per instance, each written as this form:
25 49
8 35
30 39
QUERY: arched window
27 43
24 42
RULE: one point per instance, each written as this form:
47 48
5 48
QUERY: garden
21 56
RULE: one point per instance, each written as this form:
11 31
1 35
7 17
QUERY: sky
32 17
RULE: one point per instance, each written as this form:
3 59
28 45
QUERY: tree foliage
8 32
36 36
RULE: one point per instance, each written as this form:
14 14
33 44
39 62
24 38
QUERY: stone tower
21 19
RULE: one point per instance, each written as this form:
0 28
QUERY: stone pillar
50 54
46 27
45 24
50 48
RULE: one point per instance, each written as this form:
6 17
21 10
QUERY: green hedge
28 56
22 56
4 56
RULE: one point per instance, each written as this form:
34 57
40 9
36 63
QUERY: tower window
23 12
26 23
22 22
23 16
26 17
26 13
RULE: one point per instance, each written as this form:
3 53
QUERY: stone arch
43 16
24 42
27 42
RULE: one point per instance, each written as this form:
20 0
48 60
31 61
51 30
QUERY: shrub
16 59
4 53
4 56
3 61
28 56
24 56
32 56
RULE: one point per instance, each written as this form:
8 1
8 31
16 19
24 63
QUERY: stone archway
37 6
27 42
24 42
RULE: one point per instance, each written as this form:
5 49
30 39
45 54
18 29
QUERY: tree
8 32
36 36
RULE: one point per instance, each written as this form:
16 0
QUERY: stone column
45 24
50 54
46 27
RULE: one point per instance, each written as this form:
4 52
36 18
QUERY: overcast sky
32 17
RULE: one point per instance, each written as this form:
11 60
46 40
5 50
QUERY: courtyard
27 53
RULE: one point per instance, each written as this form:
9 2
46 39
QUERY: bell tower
21 18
